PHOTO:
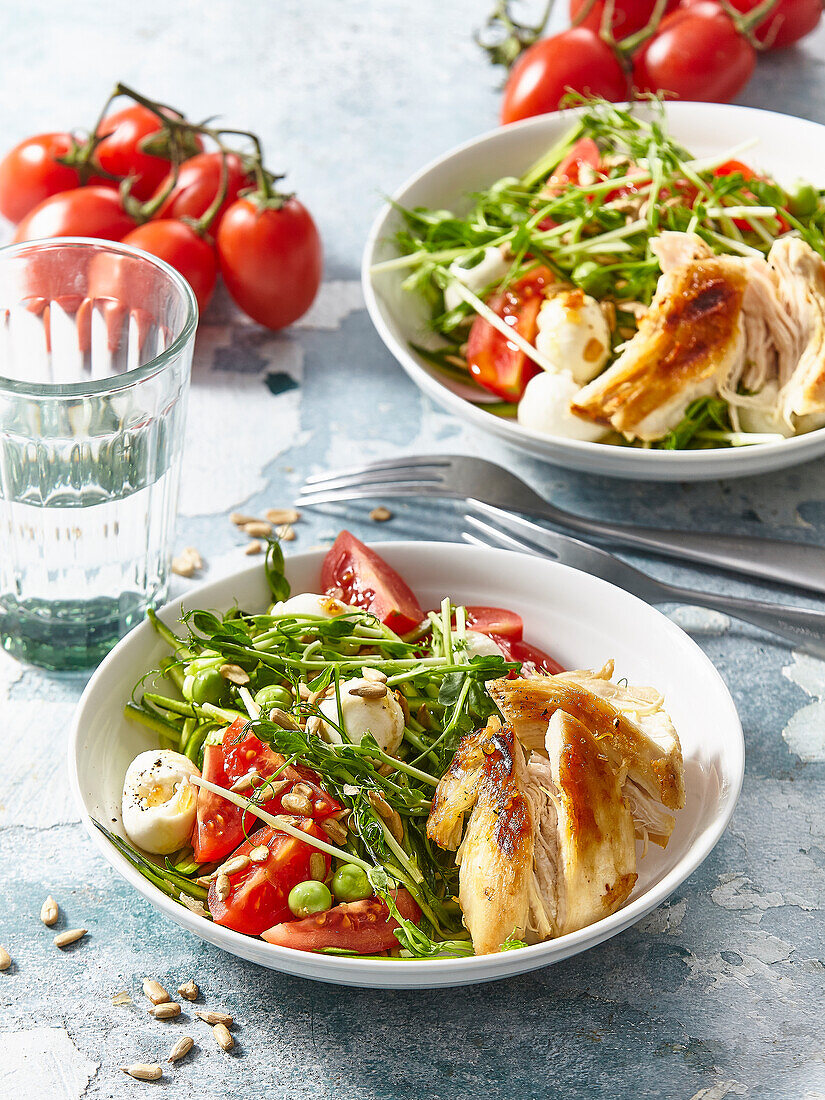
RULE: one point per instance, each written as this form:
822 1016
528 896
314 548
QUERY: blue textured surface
721 989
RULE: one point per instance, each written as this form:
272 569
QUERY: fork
493 526
463 477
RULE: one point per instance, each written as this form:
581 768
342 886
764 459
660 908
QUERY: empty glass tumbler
96 346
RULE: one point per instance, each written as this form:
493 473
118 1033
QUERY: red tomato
357 575
218 828
532 658
31 172
697 53
183 248
728 169
258 895
576 60
584 152
495 362
495 621
788 22
82 212
124 152
197 185
271 260
629 16
363 926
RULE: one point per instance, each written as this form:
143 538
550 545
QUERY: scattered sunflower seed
279 516
257 529
71 935
5 959
334 830
194 905
222 887
119 1000
245 782
187 562
254 547
372 690
144 1071
259 854
374 674
234 674
189 990
380 514
222 1018
181 1048
284 720
232 866
296 804
222 1037
49 911
240 519
388 814
317 867
167 1011
286 532
155 992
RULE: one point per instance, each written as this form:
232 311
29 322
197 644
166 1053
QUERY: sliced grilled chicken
673 249
800 274
689 341
456 794
496 855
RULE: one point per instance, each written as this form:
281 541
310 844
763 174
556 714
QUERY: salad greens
288 662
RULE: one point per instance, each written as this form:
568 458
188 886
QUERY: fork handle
797 564
802 625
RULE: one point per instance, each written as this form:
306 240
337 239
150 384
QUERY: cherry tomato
731 167
357 575
697 53
137 146
258 894
82 212
533 660
576 60
197 185
218 827
788 22
495 362
271 260
629 16
363 926
183 248
31 172
495 621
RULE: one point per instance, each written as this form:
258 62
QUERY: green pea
589 275
204 687
309 897
350 883
273 695
803 199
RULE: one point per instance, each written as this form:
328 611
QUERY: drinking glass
96 346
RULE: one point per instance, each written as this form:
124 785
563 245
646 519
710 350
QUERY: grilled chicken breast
800 274
456 794
690 339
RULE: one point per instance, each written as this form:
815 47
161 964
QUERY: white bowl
788 148
580 619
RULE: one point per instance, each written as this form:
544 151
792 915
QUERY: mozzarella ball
545 408
489 270
573 334
159 802
481 645
382 717
310 603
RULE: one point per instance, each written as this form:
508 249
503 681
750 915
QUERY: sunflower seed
317 867
155 992
334 830
5 959
286 532
234 674
193 905
244 783
296 804
49 911
71 935
121 999
390 816
222 1018
259 854
257 529
181 1048
254 547
374 674
187 562
222 887
241 520
167 1011
282 515
380 514
189 990
144 1071
284 720
222 1037
232 866
369 691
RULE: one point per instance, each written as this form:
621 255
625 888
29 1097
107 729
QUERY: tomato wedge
495 362
729 168
219 826
533 660
258 894
354 573
584 153
496 621
363 926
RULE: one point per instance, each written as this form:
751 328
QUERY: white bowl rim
689 461
502 965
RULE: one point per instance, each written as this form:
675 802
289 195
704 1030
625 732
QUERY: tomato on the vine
198 184
628 16
697 53
82 212
183 248
271 259
33 172
788 22
576 60
136 145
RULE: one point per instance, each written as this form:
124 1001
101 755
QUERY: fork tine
436 462
373 477
365 492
